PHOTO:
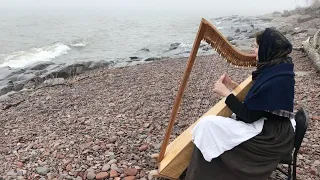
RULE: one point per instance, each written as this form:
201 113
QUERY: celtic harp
174 158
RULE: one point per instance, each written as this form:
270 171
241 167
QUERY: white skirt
213 135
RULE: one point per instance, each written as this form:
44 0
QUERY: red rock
314 170
143 147
69 167
130 178
113 173
142 173
60 156
131 172
46 153
316 118
19 164
102 175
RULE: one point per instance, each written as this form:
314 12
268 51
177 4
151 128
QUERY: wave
24 58
79 43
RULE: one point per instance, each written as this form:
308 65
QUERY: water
71 36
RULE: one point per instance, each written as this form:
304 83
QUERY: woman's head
272 48
271 45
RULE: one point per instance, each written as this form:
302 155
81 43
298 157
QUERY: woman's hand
226 80
220 88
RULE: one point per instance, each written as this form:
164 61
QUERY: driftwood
312 47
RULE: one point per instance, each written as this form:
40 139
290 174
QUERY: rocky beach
99 121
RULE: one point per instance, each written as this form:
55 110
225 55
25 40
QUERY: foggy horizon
225 7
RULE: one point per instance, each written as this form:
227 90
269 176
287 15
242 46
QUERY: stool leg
289 172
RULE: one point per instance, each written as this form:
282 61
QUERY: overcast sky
235 6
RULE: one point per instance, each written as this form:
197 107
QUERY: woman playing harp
250 146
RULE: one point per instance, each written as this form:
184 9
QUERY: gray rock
112 161
152 59
134 58
152 173
174 46
5 89
304 18
18 86
99 64
40 65
30 85
91 175
237 31
11 173
42 170
287 29
267 18
114 167
298 31
106 167
145 49
229 38
20 178
55 81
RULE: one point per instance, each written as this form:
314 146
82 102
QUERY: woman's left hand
221 89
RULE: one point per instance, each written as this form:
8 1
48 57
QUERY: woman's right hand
226 80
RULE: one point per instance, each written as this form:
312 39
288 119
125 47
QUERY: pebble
112 161
130 178
19 164
142 173
131 172
113 139
42 170
69 167
143 147
102 175
316 162
114 167
113 173
152 173
106 167
314 170
96 147
91 175
11 173
117 178
20 178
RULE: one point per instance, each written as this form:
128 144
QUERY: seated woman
250 146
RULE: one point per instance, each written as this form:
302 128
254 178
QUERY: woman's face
256 49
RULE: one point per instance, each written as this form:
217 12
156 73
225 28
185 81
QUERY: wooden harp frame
175 157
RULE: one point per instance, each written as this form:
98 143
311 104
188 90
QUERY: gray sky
227 6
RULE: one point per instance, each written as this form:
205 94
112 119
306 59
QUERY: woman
250 146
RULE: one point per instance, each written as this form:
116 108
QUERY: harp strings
226 51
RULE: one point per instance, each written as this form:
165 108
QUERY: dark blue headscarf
273 87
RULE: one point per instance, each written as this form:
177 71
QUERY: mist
220 7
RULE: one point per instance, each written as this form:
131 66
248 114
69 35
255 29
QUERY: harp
174 158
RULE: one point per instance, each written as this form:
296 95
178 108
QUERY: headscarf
273 87
274 48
